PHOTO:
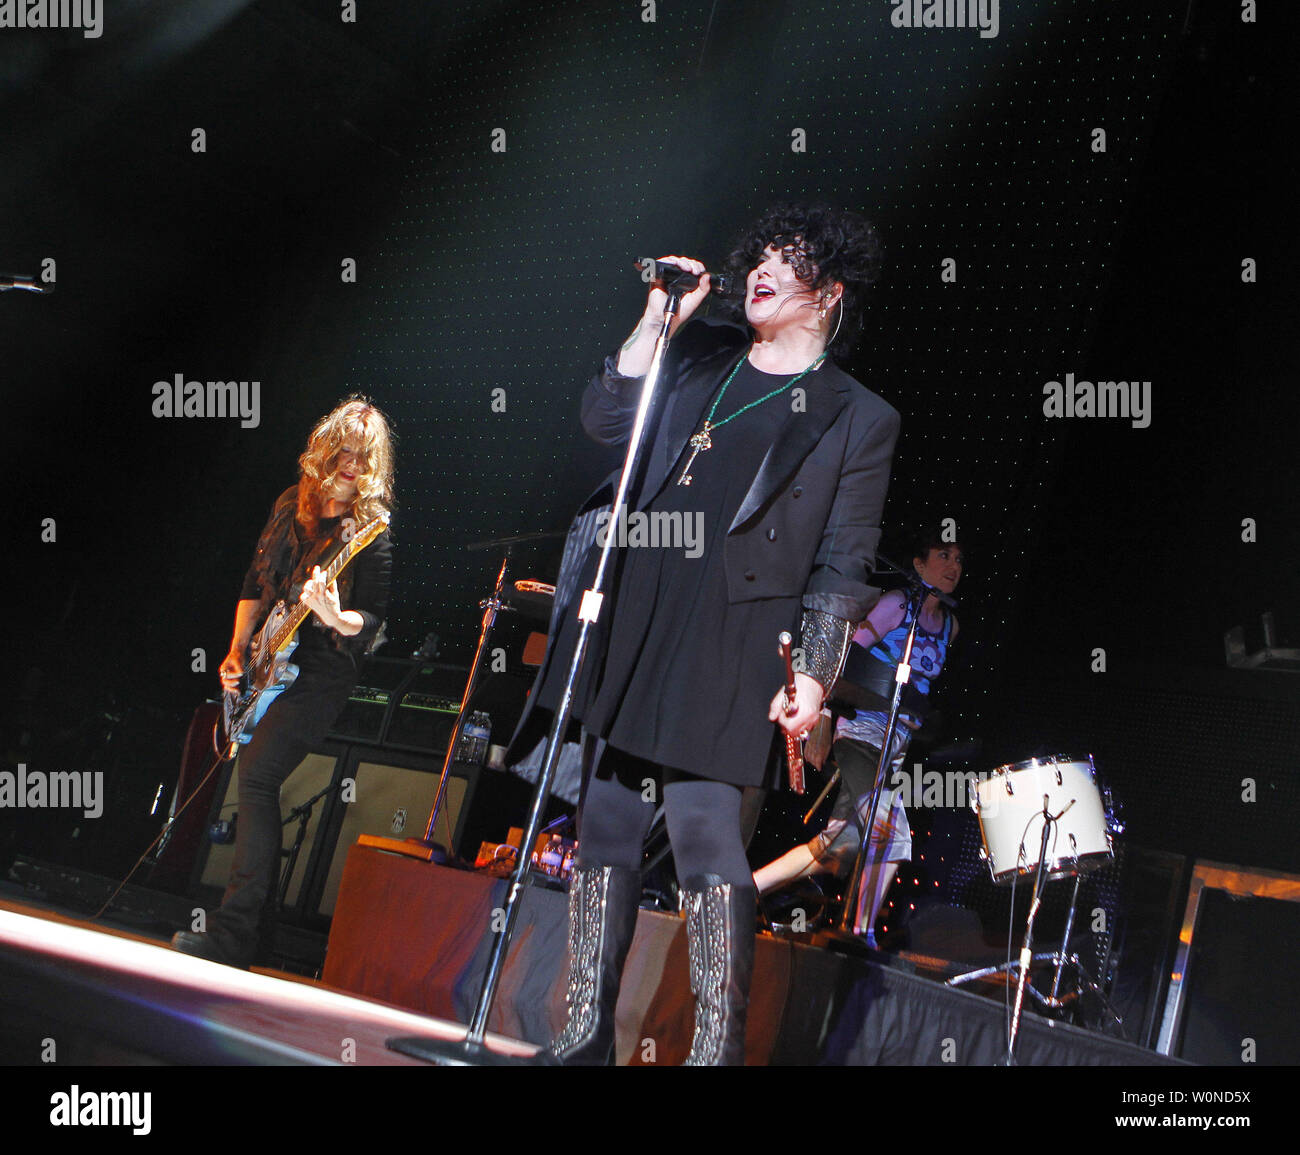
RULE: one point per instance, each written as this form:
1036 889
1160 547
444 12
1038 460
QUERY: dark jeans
295 722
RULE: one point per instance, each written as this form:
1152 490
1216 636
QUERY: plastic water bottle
553 856
474 738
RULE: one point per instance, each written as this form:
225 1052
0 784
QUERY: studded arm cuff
825 643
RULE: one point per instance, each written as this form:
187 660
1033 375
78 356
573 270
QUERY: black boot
203 945
721 921
603 904
231 937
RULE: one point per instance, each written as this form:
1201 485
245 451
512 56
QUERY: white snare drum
1009 804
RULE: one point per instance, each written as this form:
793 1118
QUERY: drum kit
1047 818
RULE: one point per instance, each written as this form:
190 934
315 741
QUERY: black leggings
703 820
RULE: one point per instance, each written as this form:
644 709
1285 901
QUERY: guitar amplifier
404 702
424 722
413 705
363 716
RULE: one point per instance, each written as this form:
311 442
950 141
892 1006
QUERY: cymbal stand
472 1050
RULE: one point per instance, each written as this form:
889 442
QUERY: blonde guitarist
345 484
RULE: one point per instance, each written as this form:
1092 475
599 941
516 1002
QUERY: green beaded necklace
702 441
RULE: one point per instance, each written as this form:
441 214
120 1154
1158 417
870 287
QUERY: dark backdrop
482 270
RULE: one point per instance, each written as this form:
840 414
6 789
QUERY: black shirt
283 562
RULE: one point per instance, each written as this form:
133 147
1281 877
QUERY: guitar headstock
371 530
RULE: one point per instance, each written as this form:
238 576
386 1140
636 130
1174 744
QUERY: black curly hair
824 245
930 538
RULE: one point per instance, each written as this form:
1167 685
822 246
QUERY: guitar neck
299 612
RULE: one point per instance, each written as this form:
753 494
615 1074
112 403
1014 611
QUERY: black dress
688 674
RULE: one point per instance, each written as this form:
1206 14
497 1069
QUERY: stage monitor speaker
392 798
394 801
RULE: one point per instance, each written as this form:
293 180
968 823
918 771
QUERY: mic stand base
465 1053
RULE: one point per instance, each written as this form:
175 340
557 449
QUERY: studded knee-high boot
603 904
721 920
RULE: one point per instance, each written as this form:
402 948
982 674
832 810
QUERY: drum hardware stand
917 590
1060 956
1054 1000
472 1050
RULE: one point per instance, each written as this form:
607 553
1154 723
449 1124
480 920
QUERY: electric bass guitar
267 669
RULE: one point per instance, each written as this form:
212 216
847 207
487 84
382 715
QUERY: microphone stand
472 1050
1026 950
302 812
491 606
917 590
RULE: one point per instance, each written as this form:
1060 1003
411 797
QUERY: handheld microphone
674 276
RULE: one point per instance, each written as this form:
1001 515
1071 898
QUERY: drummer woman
859 736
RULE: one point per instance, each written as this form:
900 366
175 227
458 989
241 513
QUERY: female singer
782 460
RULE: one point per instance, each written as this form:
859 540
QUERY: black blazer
810 522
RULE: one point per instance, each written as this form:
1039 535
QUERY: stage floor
80 993
83 993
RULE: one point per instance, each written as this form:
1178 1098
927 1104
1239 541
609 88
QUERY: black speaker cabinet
1232 1000
1153 896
